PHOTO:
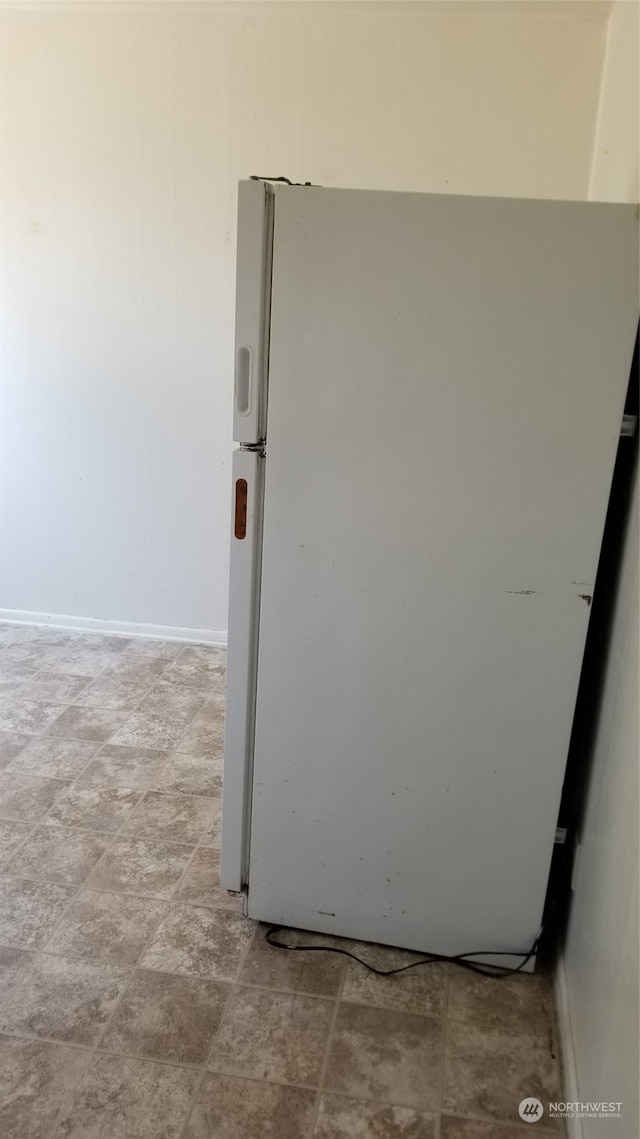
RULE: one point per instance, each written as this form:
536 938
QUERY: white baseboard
565 1031
116 628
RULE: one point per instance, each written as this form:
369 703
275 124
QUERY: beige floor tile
204 738
204 656
212 711
151 649
53 686
248 1109
35 1080
13 677
116 766
11 743
142 866
29 911
27 798
139 669
79 659
212 833
192 775
201 884
29 655
40 634
107 927
489 1071
121 1098
11 835
55 854
109 692
317 973
179 818
167 1018
101 642
13 965
194 674
453 1127
94 808
65 1000
179 701
357 1119
78 723
19 715
420 990
199 942
54 759
152 730
273 1036
386 1055
521 1003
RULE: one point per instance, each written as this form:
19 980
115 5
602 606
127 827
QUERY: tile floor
136 1001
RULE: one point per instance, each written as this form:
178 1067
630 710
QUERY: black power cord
281 178
496 971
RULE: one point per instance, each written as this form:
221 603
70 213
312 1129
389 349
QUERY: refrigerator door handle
240 513
244 606
244 381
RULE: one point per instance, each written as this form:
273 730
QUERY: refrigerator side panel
446 385
241 666
253 273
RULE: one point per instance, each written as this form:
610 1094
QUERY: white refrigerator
428 399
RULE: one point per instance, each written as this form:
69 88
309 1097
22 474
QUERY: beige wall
601 966
124 131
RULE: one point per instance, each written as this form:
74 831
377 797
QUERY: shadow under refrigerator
428 398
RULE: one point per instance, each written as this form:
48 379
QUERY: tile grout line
22 976
325 1059
443 1050
55 827
135 968
37 950
233 988
104 743
501 1123
42 949
278 990
171 750
90 680
31 830
68 1102
69 1098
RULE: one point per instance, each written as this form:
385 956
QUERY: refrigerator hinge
629 426
259 448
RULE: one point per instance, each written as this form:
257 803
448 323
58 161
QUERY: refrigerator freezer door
447 380
253 273
241 671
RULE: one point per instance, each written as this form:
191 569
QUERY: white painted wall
124 132
601 954
600 974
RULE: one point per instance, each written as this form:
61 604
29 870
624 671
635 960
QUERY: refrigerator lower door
241 665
